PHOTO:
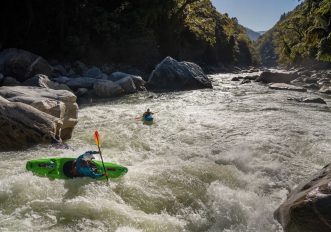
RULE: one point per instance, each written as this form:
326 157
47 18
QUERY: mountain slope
138 33
300 36
253 35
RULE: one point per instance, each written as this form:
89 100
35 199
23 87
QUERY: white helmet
88 156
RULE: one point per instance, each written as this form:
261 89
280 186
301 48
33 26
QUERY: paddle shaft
103 164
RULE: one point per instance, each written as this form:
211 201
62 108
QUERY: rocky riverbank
34 84
293 80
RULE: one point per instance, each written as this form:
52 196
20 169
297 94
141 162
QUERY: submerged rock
307 208
173 75
282 86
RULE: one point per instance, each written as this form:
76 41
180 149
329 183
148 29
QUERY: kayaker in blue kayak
148 113
84 165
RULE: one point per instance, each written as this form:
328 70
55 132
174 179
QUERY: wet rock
282 86
105 88
43 81
312 79
325 89
173 75
317 100
311 86
307 208
276 77
251 78
23 125
235 79
10 81
22 64
58 103
245 81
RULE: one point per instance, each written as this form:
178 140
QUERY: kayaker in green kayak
83 165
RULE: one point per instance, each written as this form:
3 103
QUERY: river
214 160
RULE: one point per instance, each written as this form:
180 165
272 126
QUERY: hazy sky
259 15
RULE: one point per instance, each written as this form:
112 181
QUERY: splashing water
214 160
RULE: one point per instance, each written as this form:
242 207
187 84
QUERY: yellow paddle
97 142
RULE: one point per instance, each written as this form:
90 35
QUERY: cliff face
300 36
135 32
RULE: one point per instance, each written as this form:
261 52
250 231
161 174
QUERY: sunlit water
215 160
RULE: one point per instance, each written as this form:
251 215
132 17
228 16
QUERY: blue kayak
148 119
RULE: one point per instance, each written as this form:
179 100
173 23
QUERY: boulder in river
58 103
95 72
173 75
81 82
40 80
22 64
282 86
276 77
325 89
307 208
138 81
23 125
105 88
127 84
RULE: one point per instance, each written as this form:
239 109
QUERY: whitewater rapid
214 160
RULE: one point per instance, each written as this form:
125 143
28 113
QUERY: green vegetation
135 32
301 35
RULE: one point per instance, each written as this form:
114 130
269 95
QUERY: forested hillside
135 32
300 36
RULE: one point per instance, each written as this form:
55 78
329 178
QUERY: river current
214 160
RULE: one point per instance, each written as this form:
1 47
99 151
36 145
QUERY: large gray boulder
81 82
95 72
173 75
22 64
307 208
105 88
127 84
116 76
58 103
40 80
138 81
276 77
23 125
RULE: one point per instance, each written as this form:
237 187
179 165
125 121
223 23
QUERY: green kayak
62 168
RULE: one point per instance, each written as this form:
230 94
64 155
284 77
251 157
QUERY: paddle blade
96 137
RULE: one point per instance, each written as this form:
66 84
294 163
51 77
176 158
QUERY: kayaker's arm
87 171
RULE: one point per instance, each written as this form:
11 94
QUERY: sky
258 15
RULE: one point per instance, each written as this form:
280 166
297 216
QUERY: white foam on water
214 160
